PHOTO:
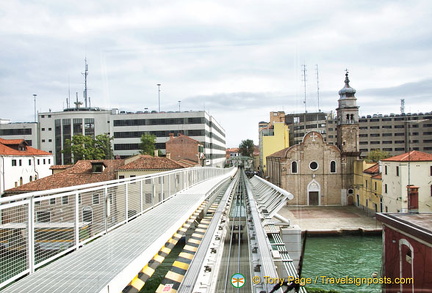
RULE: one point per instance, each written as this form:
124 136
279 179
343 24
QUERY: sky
237 60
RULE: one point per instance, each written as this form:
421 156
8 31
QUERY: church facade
315 172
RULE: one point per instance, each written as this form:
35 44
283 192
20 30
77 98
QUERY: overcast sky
238 60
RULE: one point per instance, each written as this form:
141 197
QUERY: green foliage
147 145
82 147
246 148
376 155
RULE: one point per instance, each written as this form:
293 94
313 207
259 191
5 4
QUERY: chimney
168 155
171 135
156 153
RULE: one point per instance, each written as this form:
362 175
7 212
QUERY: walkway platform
323 220
109 263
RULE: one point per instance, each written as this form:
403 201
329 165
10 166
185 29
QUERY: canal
331 261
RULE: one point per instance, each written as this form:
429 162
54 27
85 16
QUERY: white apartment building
413 168
20 163
127 129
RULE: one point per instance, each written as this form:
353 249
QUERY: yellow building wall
368 190
277 142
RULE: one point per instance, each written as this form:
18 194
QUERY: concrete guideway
109 263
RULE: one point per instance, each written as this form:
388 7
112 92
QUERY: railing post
76 220
31 236
141 201
106 208
126 201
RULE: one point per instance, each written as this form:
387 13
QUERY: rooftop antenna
77 103
402 107
159 95
85 82
317 77
304 85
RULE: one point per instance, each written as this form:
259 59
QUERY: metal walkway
109 263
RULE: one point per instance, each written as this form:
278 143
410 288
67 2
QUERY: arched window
31 179
333 167
294 167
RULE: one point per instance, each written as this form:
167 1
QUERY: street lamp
159 95
34 100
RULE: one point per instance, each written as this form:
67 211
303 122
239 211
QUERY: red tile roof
146 162
412 156
11 147
372 169
80 173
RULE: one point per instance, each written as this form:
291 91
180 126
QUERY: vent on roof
98 167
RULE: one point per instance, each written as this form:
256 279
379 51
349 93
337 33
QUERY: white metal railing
38 227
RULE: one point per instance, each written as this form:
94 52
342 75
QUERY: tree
246 148
82 147
103 142
147 145
376 155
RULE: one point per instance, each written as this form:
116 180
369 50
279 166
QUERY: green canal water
343 258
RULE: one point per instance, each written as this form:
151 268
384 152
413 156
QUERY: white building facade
413 168
20 130
127 128
20 164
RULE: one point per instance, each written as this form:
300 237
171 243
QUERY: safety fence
38 227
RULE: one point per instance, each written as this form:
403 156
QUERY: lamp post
34 100
159 95
179 105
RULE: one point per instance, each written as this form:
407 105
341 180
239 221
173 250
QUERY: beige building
318 173
399 172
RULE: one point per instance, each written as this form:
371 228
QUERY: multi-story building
272 138
127 128
20 163
368 186
412 169
394 133
20 130
302 123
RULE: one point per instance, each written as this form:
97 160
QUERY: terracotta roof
80 173
280 154
60 167
187 163
146 162
372 169
412 156
377 176
10 147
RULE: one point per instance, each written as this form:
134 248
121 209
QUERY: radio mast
85 82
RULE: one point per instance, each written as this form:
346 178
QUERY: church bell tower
348 120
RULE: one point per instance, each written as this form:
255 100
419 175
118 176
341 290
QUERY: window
44 161
397 170
20 162
65 199
148 198
430 171
30 162
385 170
96 198
52 201
38 161
333 167
31 179
133 180
385 188
294 167
313 166
14 163
43 216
